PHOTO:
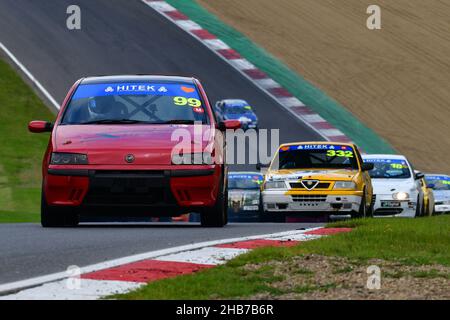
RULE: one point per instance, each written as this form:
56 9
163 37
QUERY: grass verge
412 243
21 152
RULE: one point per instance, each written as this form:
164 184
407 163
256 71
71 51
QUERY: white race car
440 183
396 186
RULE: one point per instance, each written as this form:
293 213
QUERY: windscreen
244 181
439 182
237 109
153 103
320 156
389 169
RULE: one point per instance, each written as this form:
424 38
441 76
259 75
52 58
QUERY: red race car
133 146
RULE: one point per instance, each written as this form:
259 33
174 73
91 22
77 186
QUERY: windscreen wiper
178 121
114 121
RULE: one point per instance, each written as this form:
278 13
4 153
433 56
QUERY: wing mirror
38 126
419 175
260 166
367 166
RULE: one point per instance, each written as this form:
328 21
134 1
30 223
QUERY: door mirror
419 175
40 126
367 166
260 166
229 124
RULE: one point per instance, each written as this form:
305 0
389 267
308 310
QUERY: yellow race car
310 178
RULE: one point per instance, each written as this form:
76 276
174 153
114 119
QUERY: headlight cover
400 196
60 158
345 185
192 158
275 185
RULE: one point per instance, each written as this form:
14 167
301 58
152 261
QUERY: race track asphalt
117 37
28 250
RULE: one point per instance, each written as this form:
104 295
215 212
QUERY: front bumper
442 208
385 206
170 192
280 201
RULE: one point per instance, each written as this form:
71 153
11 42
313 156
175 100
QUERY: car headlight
275 185
345 185
255 201
193 158
68 158
400 196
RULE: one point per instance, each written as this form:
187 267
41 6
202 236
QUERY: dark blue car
237 109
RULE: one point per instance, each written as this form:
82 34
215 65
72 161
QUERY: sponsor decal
161 89
317 147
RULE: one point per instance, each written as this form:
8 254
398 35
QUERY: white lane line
32 282
208 255
30 76
88 290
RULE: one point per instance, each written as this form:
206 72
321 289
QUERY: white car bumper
442 208
385 206
279 201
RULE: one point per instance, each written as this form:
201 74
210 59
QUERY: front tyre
217 216
52 216
362 212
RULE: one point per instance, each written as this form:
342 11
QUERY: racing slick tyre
362 212
52 217
419 209
369 213
216 216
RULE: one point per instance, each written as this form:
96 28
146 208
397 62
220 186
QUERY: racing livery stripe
272 88
123 277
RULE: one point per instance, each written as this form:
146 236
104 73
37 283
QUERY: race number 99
182 101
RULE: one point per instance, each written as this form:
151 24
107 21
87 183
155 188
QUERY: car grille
309 198
320 185
387 211
128 188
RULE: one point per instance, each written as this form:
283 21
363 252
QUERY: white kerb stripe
291 102
241 64
332 132
313 118
30 76
89 290
188 25
161 6
267 83
216 44
210 255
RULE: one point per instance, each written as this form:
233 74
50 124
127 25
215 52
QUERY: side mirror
40 126
431 186
419 175
367 166
260 166
229 124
